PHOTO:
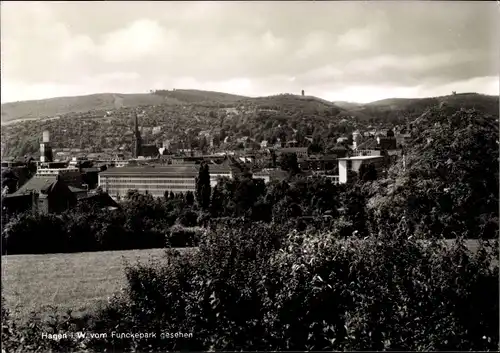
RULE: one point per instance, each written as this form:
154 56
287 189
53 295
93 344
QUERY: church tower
138 141
45 148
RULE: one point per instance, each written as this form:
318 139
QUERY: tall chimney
303 92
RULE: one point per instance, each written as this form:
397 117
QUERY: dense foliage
286 117
304 264
257 286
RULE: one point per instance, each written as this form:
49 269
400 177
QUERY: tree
368 172
451 173
203 189
189 198
203 144
289 163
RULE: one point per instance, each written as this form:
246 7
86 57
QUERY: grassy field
77 281
71 281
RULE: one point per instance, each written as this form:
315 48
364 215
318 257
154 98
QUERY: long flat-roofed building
154 180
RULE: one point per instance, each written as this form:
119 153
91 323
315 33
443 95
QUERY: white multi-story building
354 164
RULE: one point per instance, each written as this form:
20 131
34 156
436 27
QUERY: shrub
34 234
181 237
252 286
188 218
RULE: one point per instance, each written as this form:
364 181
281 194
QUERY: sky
340 51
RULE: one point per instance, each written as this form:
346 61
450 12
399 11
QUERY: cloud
139 40
326 48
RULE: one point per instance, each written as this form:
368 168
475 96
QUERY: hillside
465 100
107 101
288 102
347 105
79 104
199 96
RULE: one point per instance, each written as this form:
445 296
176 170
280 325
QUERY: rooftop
150 170
368 144
38 183
293 149
359 158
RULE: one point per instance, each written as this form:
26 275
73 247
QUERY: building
387 143
55 197
301 152
333 178
264 175
90 177
219 171
353 164
150 151
154 180
323 162
270 174
45 148
380 143
46 195
356 139
38 182
71 175
77 161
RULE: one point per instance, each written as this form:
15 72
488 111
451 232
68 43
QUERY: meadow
78 281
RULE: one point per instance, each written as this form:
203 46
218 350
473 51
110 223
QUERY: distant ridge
52 107
34 109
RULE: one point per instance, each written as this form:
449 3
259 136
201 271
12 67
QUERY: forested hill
48 108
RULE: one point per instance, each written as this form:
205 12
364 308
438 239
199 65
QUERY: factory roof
153 170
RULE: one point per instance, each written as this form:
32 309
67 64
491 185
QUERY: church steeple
138 142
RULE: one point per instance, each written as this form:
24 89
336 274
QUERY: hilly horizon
51 107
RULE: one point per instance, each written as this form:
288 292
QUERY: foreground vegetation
77 282
304 264
256 286
80 282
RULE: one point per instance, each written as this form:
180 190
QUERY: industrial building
157 179
154 180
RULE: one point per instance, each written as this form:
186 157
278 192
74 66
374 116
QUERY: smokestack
303 92
46 136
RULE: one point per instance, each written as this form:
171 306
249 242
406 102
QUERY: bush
188 218
252 286
182 237
34 234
